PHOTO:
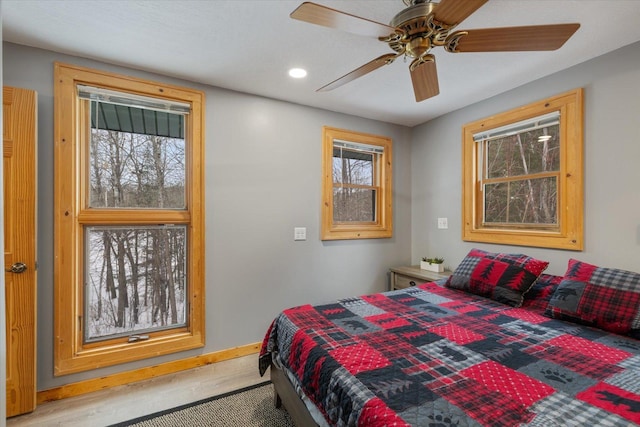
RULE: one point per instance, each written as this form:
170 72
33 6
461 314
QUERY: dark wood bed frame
285 395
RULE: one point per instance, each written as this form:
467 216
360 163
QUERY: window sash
358 158
162 187
483 154
531 198
135 217
109 277
350 150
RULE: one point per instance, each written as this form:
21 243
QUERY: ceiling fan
424 24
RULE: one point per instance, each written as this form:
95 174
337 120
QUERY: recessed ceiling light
297 73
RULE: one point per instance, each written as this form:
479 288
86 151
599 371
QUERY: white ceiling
249 46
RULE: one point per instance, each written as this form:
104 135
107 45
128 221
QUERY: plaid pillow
502 277
537 298
606 298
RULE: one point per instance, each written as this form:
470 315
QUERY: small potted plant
432 264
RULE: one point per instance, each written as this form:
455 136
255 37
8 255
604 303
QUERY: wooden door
19 154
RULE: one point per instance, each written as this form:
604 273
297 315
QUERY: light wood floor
122 403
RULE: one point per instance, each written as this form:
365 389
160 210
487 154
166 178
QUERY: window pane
531 201
352 167
525 153
135 280
354 204
129 169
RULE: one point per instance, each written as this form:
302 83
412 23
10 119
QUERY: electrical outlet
443 223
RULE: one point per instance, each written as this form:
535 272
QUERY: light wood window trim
70 214
383 226
569 233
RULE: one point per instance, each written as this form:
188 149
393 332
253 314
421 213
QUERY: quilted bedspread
433 356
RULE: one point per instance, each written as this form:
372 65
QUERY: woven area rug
250 406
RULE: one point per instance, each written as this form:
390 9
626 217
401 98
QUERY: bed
497 344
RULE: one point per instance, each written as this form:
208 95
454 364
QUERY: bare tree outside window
136 280
131 170
354 192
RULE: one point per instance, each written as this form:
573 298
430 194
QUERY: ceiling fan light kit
423 25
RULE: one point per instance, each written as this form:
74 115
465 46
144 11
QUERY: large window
129 281
356 186
522 175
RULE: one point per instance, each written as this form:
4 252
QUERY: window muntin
356 186
522 175
148 178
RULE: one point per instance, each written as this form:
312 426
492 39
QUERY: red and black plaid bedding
433 356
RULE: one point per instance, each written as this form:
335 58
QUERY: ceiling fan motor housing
420 31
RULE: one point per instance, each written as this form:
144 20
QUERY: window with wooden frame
129 219
356 187
522 175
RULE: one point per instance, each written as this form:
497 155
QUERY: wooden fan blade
424 77
453 12
360 71
534 37
321 15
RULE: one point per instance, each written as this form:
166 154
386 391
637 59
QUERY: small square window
522 175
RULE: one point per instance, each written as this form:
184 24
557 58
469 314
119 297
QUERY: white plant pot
438 268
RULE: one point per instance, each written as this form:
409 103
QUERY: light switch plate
300 233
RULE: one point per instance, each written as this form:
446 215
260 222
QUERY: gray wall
263 178
611 168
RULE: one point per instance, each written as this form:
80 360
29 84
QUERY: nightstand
405 276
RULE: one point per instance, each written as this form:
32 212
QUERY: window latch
136 338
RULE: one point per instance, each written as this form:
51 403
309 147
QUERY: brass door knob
18 267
